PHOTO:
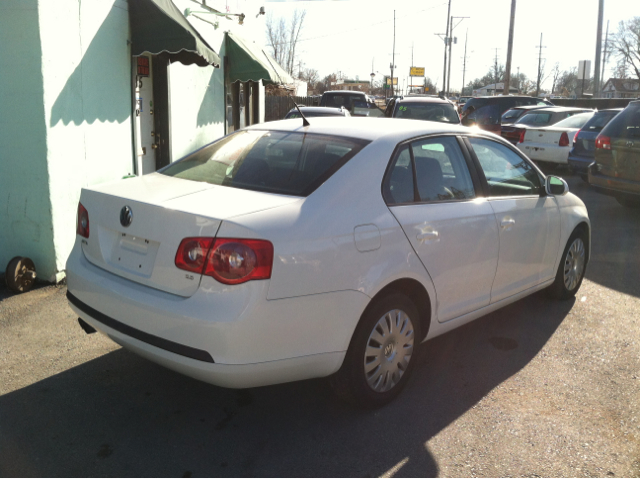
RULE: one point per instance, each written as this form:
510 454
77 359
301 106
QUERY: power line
359 28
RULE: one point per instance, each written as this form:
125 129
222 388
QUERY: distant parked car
423 108
584 143
542 116
486 112
311 111
551 144
616 170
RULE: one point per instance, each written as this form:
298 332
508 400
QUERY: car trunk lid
165 210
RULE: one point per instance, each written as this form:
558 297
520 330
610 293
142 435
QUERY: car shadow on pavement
615 240
120 415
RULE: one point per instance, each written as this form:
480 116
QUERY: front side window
288 163
535 119
507 173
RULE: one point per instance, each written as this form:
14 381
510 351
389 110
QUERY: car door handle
507 223
430 235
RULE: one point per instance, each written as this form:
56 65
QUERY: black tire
584 178
628 203
20 274
351 382
566 287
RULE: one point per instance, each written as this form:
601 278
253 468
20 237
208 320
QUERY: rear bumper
579 164
545 152
234 338
610 186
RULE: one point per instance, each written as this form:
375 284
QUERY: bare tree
311 76
555 73
283 37
626 45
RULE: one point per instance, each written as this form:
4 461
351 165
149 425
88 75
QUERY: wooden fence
276 107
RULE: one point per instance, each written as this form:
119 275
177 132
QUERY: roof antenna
305 122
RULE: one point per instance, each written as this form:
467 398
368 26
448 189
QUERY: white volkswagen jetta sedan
283 252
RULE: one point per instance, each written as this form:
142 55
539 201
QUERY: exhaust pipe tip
86 326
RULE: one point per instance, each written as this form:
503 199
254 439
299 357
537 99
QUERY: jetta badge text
126 216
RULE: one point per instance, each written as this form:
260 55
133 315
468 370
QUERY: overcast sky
348 35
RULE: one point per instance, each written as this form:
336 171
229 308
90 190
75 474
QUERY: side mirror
556 186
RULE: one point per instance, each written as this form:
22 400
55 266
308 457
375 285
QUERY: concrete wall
25 207
86 73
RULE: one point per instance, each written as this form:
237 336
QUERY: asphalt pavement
539 388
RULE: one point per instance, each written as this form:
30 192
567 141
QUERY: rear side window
535 119
435 166
625 125
273 161
512 115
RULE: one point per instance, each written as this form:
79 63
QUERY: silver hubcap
574 264
389 349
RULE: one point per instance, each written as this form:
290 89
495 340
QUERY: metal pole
507 71
444 68
464 62
411 77
604 55
596 73
393 58
450 43
539 63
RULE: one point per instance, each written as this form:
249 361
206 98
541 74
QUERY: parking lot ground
539 388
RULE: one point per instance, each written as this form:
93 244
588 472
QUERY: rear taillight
522 132
235 261
228 260
82 221
603 142
575 137
192 254
564 139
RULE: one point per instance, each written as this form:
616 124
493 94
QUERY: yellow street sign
417 71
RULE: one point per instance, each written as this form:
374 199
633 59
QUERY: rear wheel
572 267
381 355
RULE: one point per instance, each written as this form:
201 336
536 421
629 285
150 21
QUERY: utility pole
519 80
495 74
464 62
444 68
393 57
507 71
451 41
539 65
411 63
596 73
604 55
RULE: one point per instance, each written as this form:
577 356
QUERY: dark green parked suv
616 169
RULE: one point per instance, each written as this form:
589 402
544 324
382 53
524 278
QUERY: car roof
528 107
345 92
422 99
563 109
321 109
393 129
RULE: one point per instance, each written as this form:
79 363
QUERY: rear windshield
287 163
336 100
575 121
535 119
512 114
599 120
442 112
625 125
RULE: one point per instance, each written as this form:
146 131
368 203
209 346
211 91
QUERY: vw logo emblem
126 216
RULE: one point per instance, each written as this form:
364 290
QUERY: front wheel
381 355
572 267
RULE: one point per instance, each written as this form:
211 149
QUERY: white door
528 220
143 110
453 232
